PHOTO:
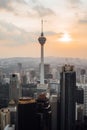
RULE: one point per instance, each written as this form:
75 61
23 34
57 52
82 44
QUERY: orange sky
20 25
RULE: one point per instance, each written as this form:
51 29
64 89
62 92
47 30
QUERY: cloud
4 3
50 33
83 21
8 4
11 35
83 18
75 1
43 11
75 4
26 8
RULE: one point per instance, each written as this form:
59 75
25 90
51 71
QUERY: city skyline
65 24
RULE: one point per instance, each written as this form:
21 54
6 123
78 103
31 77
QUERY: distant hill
34 62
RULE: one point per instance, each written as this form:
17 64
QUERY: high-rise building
34 114
44 113
59 69
83 77
32 75
20 68
54 109
79 95
67 98
4 95
4 117
13 112
20 71
54 73
85 100
79 112
27 118
46 70
14 89
1 75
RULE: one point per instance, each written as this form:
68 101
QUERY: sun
65 38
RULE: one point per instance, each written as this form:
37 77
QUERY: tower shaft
42 65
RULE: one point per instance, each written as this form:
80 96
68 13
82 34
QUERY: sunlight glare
65 38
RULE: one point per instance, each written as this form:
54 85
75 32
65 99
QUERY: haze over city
65 27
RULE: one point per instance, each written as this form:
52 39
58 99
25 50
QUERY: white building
9 127
15 87
4 117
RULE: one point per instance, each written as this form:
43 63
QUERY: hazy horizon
44 57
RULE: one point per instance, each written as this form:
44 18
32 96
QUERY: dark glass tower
27 118
34 114
44 112
67 98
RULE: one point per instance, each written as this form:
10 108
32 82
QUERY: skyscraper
67 98
83 77
4 117
44 112
14 87
46 70
54 108
27 118
20 68
85 101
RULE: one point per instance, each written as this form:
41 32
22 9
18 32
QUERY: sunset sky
65 27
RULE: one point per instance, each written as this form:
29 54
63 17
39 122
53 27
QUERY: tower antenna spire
42 28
